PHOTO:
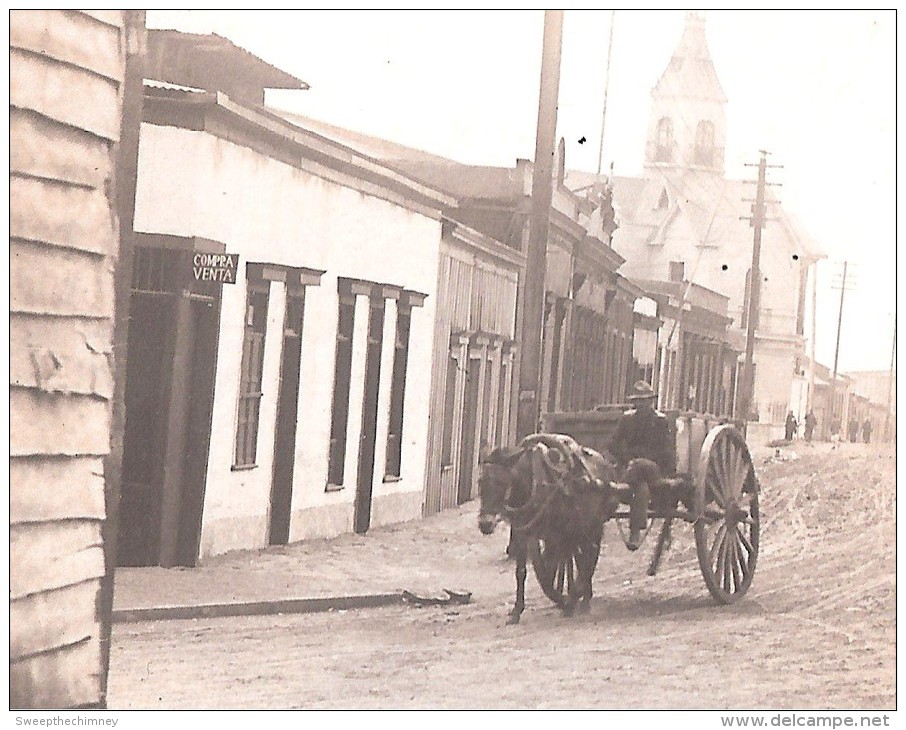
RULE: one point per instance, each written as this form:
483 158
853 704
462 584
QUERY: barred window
251 376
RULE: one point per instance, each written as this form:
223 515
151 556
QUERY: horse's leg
577 589
590 555
519 553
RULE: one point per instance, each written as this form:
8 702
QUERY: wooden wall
66 70
476 294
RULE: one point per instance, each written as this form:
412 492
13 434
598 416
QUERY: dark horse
555 520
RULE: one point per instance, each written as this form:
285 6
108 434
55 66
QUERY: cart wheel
556 572
726 505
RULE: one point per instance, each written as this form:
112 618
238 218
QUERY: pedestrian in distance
853 430
791 426
810 423
866 431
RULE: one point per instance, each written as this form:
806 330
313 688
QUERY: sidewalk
423 556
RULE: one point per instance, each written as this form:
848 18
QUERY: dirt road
816 630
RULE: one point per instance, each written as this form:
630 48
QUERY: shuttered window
341 383
250 377
397 394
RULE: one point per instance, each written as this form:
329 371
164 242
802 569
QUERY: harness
559 468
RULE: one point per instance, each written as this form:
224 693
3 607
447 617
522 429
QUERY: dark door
205 325
469 431
287 418
170 368
368 437
147 387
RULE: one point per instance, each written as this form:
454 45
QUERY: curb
255 608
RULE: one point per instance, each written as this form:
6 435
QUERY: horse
552 492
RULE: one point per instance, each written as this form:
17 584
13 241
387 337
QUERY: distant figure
866 431
853 430
810 423
791 426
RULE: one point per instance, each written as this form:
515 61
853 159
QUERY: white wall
193 184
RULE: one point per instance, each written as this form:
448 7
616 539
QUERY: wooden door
368 437
287 418
469 431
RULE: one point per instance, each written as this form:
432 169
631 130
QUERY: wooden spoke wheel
556 570
726 505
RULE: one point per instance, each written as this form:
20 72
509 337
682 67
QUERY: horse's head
497 481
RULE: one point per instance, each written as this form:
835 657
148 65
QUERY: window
704 143
449 407
677 270
664 150
341 383
397 394
250 375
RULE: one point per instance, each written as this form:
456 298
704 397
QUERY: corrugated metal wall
66 71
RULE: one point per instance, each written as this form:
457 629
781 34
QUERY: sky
817 89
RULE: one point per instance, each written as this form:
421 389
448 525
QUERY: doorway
469 431
169 393
287 419
368 438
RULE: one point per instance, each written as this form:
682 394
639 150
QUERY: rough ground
816 630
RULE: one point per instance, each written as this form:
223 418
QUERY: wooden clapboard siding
74 38
53 555
71 489
61 354
475 294
65 93
41 210
51 151
49 423
71 672
66 70
64 618
62 283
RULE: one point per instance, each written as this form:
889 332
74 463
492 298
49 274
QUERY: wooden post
135 43
757 220
536 256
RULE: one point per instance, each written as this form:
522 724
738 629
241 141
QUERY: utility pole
810 401
893 361
833 387
539 221
613 15
757 221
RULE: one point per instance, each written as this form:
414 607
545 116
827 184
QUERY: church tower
687 128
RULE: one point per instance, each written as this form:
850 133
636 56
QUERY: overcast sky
815 88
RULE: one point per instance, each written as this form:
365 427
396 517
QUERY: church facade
683 219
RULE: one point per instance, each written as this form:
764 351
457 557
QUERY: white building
293 403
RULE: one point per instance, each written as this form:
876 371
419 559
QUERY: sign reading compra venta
217 267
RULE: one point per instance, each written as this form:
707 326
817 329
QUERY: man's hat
641 390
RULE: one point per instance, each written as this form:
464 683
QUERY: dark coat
644 434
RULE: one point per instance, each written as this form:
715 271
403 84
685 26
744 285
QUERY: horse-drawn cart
715 483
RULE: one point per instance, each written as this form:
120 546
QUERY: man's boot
638 515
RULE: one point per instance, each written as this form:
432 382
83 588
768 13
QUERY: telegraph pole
613 15
833 387
539 221
757 221
893 361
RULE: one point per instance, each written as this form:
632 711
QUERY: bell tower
687 127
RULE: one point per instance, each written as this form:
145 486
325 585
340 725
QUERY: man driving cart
643 448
